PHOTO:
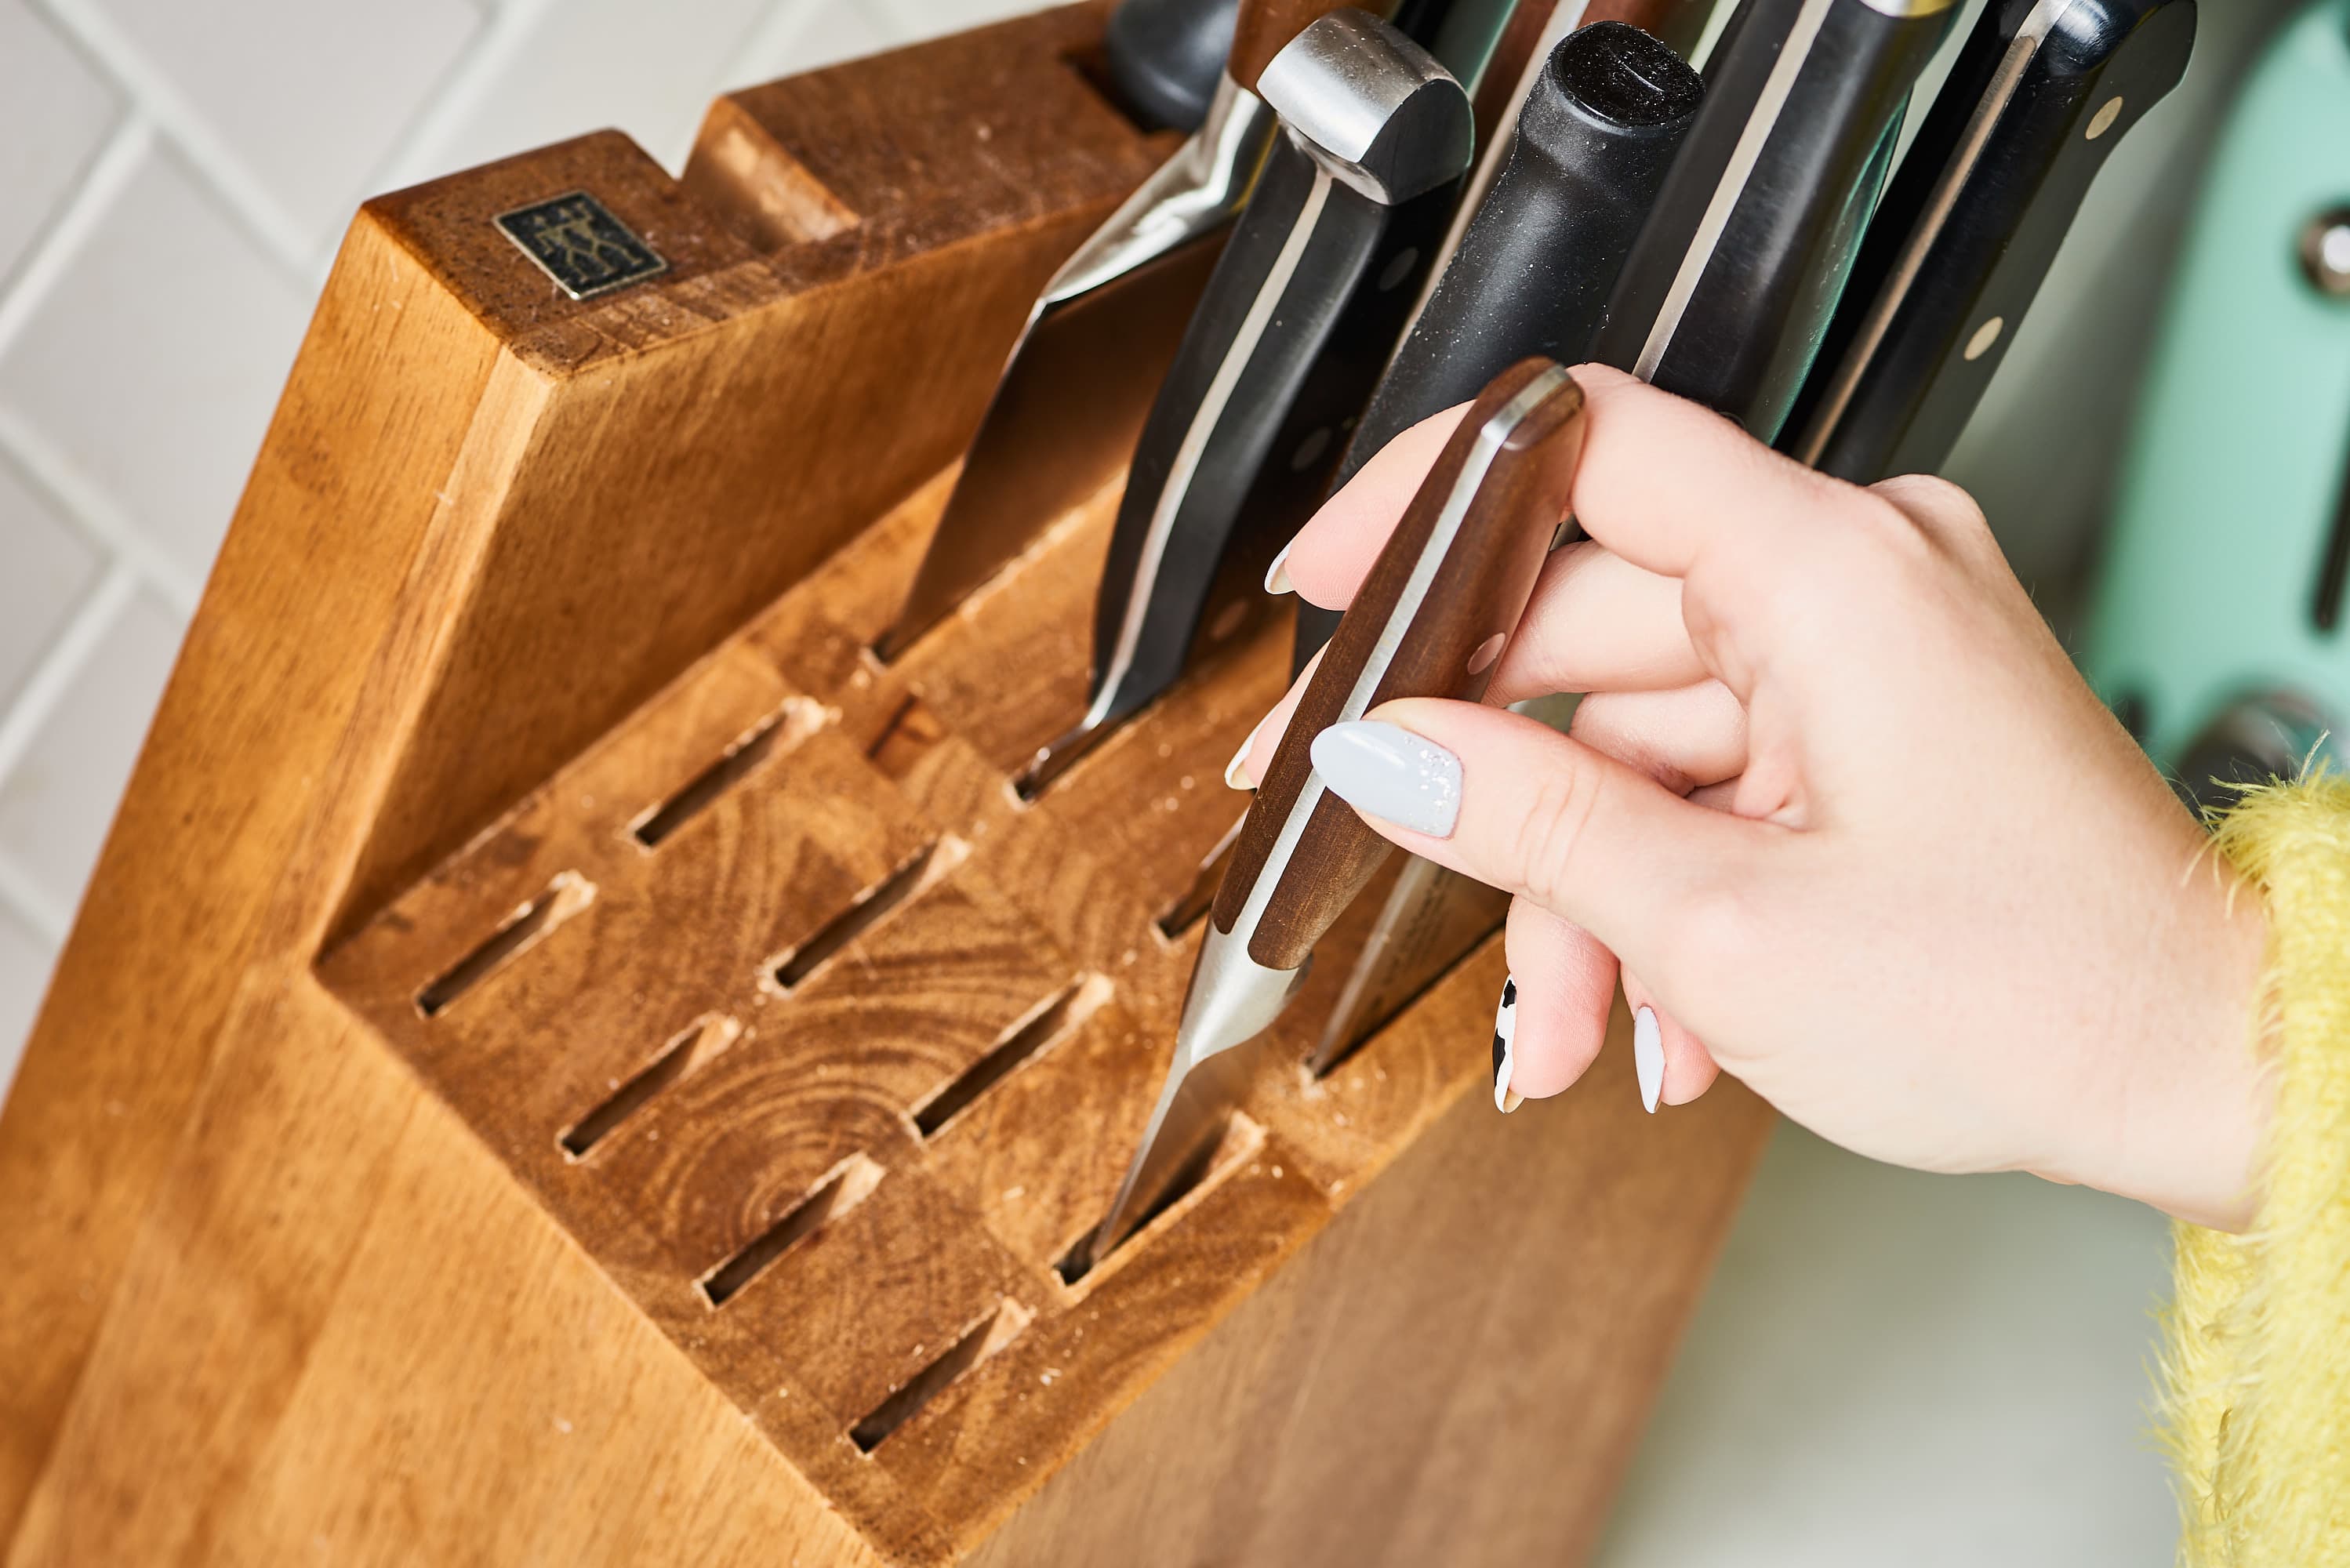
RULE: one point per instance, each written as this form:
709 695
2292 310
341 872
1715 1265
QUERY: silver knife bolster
1345 89
1231 999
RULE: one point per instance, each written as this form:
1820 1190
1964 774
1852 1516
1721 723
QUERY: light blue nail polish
1385 771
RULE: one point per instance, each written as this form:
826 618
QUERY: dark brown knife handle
1265 27
1448 649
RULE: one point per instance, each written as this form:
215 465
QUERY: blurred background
1889 1367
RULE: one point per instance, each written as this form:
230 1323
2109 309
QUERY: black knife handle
1737 272
1534 271
1449 587
1260 478
1303 309
1971 224
1165 58
1535 268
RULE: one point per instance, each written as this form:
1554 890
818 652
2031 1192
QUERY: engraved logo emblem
579 244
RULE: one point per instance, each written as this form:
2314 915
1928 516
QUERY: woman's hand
1840 809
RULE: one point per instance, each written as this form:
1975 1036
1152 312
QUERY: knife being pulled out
1531 275
1305 303
1429 621
1099 339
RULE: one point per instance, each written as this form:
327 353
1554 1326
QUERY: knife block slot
1059 1016
1236 1140
1176 922
906 737
872 906
843 1190
524 929
690 1047
795 720
982 1340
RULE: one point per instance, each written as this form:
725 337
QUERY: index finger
1664 481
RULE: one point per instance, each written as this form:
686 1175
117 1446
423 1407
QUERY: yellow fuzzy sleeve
2257 1351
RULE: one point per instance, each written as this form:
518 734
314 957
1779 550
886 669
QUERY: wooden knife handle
1264 28
1448 648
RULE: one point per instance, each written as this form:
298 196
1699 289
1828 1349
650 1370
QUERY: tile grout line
421 147
29 902
208 157
53 253
63 658
85 505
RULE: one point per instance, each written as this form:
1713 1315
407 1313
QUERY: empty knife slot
1198 898
905 739
793 721
697 1042
931 861
982 1340
1219 1155
565 897
850 1184
1056 1017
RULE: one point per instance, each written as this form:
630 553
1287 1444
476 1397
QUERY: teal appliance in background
2221 627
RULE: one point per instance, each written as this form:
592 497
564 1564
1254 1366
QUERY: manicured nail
1506 1029
1385 771
1649 1056
1276 576
1236 771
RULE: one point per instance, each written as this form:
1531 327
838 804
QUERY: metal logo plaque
579 244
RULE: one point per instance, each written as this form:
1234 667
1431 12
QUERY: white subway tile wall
173 181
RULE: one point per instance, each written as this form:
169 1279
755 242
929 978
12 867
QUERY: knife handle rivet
1985 336
1399 268
1310 450
1481 659
2103 120
2325 251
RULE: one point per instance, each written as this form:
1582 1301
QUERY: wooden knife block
568 1057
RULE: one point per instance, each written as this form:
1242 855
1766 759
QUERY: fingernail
1236 771
1649 1056
1505 1030
1276 576
1385 771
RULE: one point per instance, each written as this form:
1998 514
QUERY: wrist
2192 1086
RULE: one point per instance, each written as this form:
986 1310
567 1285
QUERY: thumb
1514 804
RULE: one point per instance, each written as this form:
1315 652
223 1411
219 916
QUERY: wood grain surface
568 1058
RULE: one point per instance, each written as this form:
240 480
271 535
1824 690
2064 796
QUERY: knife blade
2038 99
1099 339
1734 275
1305 303
1447 587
